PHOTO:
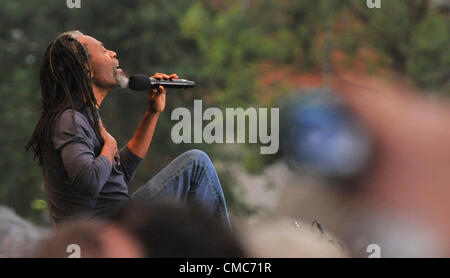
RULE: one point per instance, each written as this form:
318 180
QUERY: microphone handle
174 83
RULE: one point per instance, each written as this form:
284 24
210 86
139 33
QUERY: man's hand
157 97
110 149
140 142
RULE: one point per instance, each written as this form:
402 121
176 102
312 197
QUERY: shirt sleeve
129 163
74 138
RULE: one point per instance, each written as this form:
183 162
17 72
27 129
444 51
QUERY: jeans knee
196 155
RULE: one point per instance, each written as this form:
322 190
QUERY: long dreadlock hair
65 84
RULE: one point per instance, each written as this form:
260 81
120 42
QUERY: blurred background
363 97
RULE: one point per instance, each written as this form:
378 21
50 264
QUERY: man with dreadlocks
84 172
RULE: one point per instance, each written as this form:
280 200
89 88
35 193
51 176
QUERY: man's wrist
152 111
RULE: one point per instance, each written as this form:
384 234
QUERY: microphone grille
139 82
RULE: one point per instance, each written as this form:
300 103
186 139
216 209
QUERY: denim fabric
190 178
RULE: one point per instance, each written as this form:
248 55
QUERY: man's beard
121 79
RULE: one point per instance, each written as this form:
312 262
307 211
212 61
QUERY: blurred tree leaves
223 45
429 63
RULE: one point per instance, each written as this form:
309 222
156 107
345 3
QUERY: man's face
105 71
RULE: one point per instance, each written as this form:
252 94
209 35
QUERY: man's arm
140 142
72 138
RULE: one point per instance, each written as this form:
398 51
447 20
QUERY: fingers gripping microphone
141 82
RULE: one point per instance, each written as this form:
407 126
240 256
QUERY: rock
18 237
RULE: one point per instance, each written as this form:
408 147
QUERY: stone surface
18 237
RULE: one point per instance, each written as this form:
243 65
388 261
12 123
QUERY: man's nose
112 54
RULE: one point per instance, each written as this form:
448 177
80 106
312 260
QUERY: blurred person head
90 239
399 201
405 194
169 230
75 69
403 198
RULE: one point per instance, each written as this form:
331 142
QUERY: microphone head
139 82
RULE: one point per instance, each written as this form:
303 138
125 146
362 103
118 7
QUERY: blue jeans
191 177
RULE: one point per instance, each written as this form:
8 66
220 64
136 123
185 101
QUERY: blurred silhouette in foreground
402 197
163 230
90 239
169 230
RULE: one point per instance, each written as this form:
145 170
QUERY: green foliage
220 44
413 34
429 64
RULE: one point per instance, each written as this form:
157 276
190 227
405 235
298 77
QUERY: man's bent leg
191 177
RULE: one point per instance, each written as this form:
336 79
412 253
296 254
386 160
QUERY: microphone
141 82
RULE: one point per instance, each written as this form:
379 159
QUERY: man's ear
91 74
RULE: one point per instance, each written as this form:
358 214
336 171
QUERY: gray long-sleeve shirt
77 179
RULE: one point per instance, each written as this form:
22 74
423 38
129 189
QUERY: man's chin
110 85
121 79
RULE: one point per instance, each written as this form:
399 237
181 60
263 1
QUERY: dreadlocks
65 84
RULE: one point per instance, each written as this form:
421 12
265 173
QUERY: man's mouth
120 76
118 69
